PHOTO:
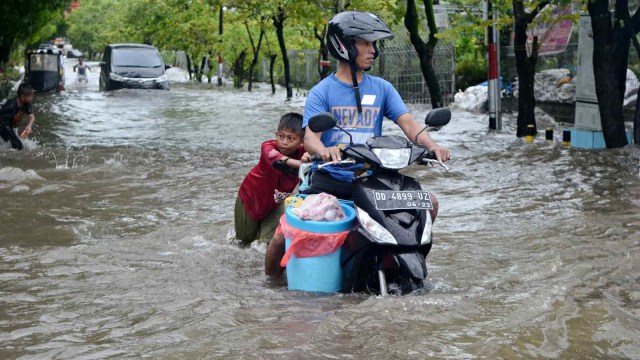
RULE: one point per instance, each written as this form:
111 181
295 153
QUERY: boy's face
288 141
26 99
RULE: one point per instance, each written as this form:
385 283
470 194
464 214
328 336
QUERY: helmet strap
356 89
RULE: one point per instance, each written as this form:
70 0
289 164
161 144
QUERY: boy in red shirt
263 190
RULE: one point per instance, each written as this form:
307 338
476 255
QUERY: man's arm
314 146
294 163
410 128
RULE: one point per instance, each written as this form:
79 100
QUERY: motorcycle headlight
116 77
377 231
393 158
426 232
163 78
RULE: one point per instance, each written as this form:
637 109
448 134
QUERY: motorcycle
394 235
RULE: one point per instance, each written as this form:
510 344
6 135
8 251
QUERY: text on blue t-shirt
378 97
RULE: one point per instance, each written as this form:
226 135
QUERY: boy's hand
306 157
26 132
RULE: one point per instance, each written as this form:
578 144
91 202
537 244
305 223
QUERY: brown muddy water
115 242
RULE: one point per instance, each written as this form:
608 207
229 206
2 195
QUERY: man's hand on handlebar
442 154
330 154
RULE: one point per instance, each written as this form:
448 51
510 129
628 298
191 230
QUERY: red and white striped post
220 68
495 118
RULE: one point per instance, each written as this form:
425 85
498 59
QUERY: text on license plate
396 200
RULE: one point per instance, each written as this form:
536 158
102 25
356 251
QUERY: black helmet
348 25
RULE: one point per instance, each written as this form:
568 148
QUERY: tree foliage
192 25
27 22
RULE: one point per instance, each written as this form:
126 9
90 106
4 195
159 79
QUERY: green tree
525 64
611 40
86 25
27 22
425 50
524 16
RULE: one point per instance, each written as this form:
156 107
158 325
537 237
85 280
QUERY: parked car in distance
74 54
134 66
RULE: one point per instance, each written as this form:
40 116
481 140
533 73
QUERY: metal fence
398 63
566 59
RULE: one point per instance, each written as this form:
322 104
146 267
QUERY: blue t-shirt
379 99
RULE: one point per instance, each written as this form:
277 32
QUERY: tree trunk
256 54
526 69
5 49
272 64
525 65
526 96
210 72
608 45
323 71
278 22
189 69
238 69
220 30
425 50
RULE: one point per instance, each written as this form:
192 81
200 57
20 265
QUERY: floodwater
116 242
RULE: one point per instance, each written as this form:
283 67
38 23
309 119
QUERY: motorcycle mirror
438 117
322 122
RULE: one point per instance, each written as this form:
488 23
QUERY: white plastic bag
320 207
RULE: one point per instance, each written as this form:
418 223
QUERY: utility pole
492 39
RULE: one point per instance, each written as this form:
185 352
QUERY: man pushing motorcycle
359 102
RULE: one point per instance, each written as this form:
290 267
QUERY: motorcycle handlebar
430 156
431 159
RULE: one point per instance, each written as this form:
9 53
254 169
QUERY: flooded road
116 242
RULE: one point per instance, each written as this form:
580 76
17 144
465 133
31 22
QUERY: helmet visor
375 36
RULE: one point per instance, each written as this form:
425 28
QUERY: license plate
397 200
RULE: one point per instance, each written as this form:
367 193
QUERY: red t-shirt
265 188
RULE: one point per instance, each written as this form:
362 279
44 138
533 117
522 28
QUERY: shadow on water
116 242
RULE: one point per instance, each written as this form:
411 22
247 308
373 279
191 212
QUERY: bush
470 70
8 77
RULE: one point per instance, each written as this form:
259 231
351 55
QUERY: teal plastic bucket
319 273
